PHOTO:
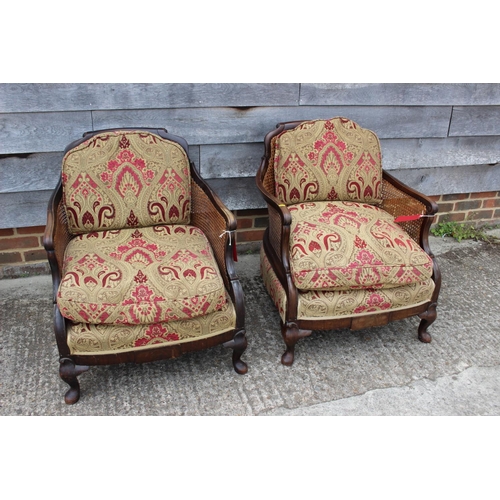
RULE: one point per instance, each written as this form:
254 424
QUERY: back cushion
126 179
327 160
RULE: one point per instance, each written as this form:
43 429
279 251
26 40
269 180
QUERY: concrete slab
378 371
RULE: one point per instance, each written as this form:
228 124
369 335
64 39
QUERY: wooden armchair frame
207 213
398 200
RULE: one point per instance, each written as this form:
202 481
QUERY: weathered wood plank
432 153
230 160
35 97
24 209
452 180
230 125
243 160
475 120
40 171
238 193
400 94
41 132
35 172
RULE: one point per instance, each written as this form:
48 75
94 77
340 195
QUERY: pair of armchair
141 249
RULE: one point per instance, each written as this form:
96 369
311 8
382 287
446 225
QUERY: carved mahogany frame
209 214
398 199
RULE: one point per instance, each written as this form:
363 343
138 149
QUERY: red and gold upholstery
141 253
88 338
125 179
327 160
140 276
334 304
348 245
135 272
333 255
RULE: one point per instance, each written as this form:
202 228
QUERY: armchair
347 243
140 250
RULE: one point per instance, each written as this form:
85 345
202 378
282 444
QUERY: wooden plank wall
440 138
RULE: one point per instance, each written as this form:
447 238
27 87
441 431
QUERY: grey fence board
34 173
447 180
243 160
238 193
475 120
230 125
41 132
31 97
399 94
447 152
230 160
24 209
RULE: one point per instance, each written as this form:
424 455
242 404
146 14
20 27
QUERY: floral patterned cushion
325 305
324 160
140 276
125 179
85 338
348 245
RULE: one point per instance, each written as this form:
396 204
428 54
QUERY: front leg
428 317
69 372
291 335
239 345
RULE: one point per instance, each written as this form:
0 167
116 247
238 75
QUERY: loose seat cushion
125 179
140 276
330 304
349 245
85 338
326 160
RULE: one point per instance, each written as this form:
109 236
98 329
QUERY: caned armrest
210 214
56 236
399 199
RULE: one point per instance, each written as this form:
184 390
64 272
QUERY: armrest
210 214
399 199
277 237
56 236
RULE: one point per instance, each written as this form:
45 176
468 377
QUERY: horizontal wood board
427 131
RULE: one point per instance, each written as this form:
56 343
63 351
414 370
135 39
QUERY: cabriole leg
291 335
428 317
238 345
69 372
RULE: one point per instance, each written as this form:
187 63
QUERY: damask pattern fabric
349 245
126 179
325 305
327 160
140 276
106 339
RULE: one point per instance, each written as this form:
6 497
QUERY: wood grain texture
452 180
25 209
400 94
446 152
230 160
34 172
475 120
238 193
41 132
231 125
34 97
